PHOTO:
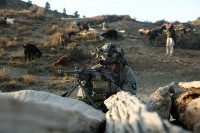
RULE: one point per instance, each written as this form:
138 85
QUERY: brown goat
144 31
66 37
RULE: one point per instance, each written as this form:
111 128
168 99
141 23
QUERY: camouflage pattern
123 75
129 85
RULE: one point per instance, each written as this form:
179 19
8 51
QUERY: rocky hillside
15 4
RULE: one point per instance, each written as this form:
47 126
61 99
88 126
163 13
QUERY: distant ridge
21 5
16 5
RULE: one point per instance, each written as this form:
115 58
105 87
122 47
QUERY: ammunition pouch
95 98
101 87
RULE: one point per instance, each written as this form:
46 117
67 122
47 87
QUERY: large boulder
186 109
191 87
30 111
127 114
160 101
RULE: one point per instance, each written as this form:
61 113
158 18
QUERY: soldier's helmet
110 53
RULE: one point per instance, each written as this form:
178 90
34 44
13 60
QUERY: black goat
153 33
3 22
83 26
110 34
31 51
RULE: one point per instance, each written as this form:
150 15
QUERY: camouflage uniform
125 80
130 82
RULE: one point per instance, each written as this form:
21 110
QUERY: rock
46 98
191 117
186 109
18 116
127 114
191 87
160 101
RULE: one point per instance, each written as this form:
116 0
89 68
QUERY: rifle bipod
78 83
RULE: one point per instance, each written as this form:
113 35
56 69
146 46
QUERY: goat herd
66 36
6 22
153 33
31 51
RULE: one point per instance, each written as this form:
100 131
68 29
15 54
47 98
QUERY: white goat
10 21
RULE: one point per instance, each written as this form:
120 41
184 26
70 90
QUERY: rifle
88 75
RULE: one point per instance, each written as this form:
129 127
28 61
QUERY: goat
184 28
83 26
144 31
153 33
103 26
3 22
30 51
10 21
66 37
110 34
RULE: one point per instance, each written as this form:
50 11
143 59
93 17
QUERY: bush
10 86
3 75
160 22
38 12
29 79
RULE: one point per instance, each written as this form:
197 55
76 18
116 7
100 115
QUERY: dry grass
10 13
49 31
3 74
52 41
47 41
17 54
11 43
86 36
77 54
2 52
24 21
40 14
3 41
29 79
10 86
23 28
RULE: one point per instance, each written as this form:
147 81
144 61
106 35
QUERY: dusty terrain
152 67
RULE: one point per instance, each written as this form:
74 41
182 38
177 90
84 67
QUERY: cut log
186 109
160 101
127 114
191 87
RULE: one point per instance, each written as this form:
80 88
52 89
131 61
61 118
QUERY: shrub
10 86
49 31
23 28
29 79
2 52
160 22
3 74
39 12
3 41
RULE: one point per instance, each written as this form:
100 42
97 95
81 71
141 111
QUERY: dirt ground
152 67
